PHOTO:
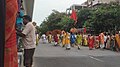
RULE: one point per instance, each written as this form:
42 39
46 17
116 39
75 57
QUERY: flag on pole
84 30
74 16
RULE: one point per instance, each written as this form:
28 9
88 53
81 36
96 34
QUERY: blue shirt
19 19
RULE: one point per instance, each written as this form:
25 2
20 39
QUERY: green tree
83 17
56 20
104 17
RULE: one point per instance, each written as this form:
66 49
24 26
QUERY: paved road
47 55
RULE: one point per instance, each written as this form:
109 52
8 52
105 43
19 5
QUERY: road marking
96 59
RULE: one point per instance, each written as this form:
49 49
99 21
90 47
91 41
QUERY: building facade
91 3
88 3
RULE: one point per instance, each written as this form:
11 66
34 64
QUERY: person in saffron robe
97 41
63 39
10 52
117 42
67 41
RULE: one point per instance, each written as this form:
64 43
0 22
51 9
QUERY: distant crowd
101 41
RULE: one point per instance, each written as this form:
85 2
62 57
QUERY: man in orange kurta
10 52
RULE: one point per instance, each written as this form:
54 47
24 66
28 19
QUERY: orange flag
74 16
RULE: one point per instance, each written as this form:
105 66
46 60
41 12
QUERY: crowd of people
102 41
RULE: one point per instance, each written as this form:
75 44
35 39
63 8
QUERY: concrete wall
28 7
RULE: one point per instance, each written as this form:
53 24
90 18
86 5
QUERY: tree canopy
56 20
103 17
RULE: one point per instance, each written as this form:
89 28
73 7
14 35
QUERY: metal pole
2 31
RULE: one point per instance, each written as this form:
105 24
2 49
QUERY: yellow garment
37 39
117 37
49 38
85 41
67 39
63 39
79 39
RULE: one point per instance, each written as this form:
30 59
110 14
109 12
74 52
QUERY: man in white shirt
28 39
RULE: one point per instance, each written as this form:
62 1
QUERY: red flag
84 30
74 16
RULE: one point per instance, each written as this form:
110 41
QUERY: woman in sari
67 41
10 52
55 39
63 39
85 43
102 40
117 42
79 40
97 41
91 42
49 38
108 42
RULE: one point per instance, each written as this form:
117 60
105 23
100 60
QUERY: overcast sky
43 8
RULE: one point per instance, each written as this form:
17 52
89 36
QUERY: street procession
76 38
60 33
